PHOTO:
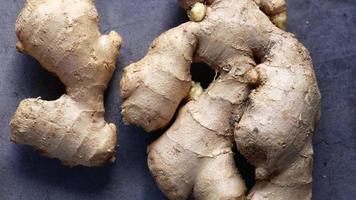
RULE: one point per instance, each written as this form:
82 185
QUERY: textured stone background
326 27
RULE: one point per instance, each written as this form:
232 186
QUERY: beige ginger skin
63 35
266 100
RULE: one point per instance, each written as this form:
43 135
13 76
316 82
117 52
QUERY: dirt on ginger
265 100
63 36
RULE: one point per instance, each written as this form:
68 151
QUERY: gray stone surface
326 27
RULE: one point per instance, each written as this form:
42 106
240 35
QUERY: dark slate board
326 27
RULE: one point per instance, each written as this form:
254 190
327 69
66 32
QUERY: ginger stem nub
195 91
197 12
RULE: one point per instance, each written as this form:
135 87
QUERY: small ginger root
63 35
266 100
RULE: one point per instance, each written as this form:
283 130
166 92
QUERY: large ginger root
63 36
266 99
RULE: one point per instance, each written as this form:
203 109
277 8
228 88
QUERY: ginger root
63 35
266 99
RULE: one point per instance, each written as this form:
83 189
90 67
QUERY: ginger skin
63 35
266 100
